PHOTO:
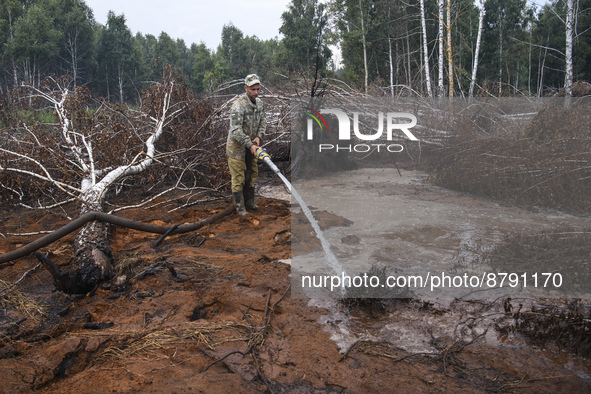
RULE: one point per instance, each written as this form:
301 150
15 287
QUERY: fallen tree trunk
93 257
82 281
86 154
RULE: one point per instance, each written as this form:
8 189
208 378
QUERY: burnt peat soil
211 311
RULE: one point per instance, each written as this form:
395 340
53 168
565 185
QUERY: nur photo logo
388 124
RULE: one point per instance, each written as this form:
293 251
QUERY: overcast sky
195 20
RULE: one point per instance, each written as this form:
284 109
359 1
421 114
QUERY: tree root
446 355
166 234
256 339
61 279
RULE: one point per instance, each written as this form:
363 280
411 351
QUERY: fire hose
122 222
331 259
262 154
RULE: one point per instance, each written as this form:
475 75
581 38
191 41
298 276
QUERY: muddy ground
227 322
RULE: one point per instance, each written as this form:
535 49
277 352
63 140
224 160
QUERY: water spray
333 263
262 154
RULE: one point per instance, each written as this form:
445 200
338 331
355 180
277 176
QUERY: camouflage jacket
247 121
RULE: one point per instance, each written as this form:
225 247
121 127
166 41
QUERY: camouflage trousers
243 174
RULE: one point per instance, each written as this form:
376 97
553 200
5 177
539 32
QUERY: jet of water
331 259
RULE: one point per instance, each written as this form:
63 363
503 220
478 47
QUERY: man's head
252 85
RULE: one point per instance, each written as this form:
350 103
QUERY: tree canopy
381 46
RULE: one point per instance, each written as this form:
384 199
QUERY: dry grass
149 344
11 297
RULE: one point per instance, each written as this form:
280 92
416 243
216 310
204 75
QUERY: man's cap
251 79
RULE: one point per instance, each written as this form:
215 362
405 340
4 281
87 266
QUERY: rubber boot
249 199
239 203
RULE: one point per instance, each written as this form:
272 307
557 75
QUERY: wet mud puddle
405 226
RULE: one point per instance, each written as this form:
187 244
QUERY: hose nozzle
261 154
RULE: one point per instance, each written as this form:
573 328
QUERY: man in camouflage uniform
247 128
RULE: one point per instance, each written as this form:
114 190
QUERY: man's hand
255 145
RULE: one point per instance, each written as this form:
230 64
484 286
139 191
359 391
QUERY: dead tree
82 156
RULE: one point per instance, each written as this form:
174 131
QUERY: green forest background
522 51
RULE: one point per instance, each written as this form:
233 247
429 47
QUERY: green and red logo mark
387 124
315 115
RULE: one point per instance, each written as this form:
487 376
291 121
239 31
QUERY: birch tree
568 78
425 50
477 50
440 87
83 157
35 41
75 20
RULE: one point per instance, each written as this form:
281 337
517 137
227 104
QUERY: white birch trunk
408 58
500 54
93 256
397 62
72 48
568 79
541 79
440 88
477 50
391 68
92 260
120 82
391 60
426 50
